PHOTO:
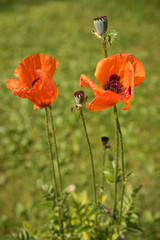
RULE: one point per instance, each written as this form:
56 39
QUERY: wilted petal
17 87
44 92
26 69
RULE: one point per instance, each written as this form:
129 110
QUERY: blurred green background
62 28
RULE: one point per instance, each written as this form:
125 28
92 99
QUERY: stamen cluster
114 84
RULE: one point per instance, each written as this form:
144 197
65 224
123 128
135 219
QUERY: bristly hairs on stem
81 100
101 25
116 161
123 168
51 153
91 155
55 145
60 216
104 141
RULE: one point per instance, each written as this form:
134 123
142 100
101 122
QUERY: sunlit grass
63 29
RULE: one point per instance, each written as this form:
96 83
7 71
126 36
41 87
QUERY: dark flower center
114 84
35 81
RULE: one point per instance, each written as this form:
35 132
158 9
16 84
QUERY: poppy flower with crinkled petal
117 75
35 80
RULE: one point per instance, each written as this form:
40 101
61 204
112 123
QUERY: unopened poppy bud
101 25
79 97
104 140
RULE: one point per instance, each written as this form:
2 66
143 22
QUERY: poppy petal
128 83
17 87
115 65
109 66
139 71
85 81
103 101
44 92
26 69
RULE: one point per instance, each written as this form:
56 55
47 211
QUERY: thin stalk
53 171
103 42
118 129
123 168
116 159
51 154
91 155
56 148
103 176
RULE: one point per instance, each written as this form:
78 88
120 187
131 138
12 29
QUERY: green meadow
62 29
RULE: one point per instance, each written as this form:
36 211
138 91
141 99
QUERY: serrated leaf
83 229
109 175
111 36
110 157
134 227
94 210
136 190
7 238
128 175
24 235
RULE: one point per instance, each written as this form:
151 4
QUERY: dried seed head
101 25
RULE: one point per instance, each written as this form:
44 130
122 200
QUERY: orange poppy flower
35 80
118 75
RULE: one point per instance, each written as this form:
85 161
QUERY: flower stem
118 135
53 171
55 145
123 167
103 42
91 155
103 176
51 153
116 159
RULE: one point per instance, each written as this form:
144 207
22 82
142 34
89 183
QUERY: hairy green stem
123 167
116 159
51 154
53 171
91 155
118 135
103 42
103 176
56 148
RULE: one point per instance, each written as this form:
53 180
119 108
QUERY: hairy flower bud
79 97
104 140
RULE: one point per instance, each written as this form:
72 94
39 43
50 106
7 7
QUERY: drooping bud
79 97
101 25
104 140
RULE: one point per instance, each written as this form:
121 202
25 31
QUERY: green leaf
22 235
111 37
134 227
128 175
110 157
136 190
83 229
7 238
94 210
109 176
